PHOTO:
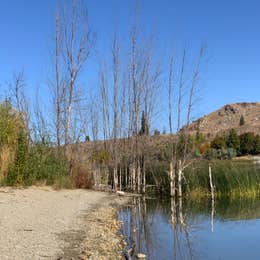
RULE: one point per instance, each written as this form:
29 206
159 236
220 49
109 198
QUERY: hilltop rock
228 117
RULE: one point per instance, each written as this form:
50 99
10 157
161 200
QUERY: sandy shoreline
40 223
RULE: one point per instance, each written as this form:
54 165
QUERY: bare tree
78 42
72 46
17 87
94 115
58 86
170 90
105 105
171 170
57 83
40 125
115 55
181 157
179 166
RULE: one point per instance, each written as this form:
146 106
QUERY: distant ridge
228 117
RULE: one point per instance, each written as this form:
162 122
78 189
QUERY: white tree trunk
172 180
212 200
138 176
179 179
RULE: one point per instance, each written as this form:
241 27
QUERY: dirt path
45 224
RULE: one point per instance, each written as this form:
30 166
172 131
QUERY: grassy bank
230 178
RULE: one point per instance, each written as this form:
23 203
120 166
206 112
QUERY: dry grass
7 154
106 244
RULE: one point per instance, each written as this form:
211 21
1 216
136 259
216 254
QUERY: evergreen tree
242 120
156 132
247 143
257 145
17 172
232 140
144 125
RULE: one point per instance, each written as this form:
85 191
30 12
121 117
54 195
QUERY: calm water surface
199 229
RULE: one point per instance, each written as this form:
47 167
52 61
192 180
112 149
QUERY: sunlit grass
230 178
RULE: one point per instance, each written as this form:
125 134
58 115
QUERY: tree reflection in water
140 226
182 229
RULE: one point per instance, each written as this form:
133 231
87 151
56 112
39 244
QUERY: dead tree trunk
212 199
144 178
78 42
180 174
172 179
58 84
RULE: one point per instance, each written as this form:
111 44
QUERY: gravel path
40 223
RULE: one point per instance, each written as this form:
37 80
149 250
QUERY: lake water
193 229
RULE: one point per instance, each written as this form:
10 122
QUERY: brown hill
217 122
228 117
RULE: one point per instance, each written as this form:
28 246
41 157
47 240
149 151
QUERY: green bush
17 175
233 144
46 164
10 125
37 163
249 143
218 143
23 162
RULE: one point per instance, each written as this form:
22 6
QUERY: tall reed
231 178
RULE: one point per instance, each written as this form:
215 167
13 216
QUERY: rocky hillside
228 117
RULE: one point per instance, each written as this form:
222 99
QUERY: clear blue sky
231 30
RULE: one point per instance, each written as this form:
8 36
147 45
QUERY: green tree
232 140
247 143
257 145
17 172
156 132
242 120
144 125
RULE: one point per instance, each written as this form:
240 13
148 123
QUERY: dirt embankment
40 223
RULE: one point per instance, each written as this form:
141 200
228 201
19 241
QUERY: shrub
10 126
23 162
82 178
247 143
218 143
37 163
231 153
19 169
100 157
204 148
199 138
